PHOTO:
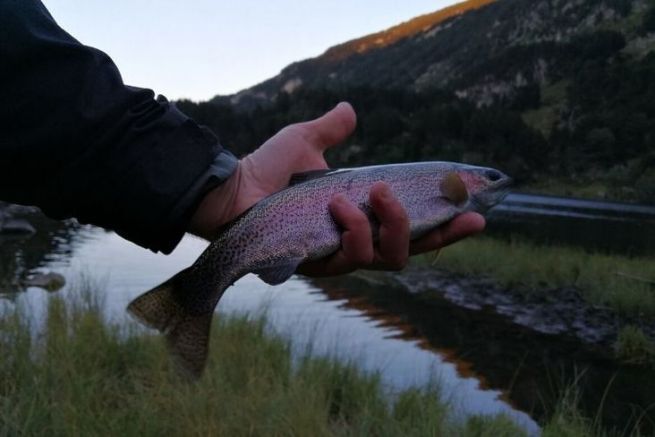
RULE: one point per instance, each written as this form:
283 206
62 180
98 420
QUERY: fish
293 226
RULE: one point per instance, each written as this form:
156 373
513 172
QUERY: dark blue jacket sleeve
77 142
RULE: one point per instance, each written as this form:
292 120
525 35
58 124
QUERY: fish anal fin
278 273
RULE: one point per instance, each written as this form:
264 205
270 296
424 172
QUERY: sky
197 49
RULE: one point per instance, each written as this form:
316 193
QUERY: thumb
333 127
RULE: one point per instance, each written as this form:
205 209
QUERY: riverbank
601 299
86 376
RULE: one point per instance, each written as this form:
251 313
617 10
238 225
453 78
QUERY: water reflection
21 255
334 327
532 368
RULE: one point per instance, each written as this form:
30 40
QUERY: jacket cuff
218 172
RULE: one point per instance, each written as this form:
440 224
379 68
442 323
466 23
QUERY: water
298 309
595 225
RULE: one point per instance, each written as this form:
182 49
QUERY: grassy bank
85 376
624 284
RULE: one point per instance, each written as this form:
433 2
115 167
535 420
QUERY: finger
356 242
332 128
467 224
393 250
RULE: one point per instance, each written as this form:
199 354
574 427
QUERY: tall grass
632 346
81 375
567 421
623 283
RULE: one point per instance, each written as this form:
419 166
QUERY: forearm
79 143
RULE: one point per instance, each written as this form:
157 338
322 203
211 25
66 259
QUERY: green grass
622 283
566 420
634 347
82 375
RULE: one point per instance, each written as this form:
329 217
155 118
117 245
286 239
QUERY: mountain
458 47
385 52
558 92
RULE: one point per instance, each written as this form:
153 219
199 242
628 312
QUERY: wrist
217 207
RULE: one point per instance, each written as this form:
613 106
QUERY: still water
299 309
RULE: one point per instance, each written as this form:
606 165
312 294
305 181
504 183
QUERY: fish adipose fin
187 335
279 273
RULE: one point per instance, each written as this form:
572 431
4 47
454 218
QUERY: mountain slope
447 48
559 93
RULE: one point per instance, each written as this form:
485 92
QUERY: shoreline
551 310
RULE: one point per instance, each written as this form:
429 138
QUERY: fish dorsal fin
279 272
454 189
299 178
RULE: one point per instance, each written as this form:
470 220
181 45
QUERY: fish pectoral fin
454 189
278 273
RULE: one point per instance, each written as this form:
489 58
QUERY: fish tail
187 334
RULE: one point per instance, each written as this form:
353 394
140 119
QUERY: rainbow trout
294 225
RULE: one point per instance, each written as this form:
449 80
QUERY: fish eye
493 175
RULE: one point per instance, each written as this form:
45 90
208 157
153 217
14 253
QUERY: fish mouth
504 184
501 192
500 188
493 195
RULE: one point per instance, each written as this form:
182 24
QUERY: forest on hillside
592 121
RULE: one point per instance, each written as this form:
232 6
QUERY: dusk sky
199 48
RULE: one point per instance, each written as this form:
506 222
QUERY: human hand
300 147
